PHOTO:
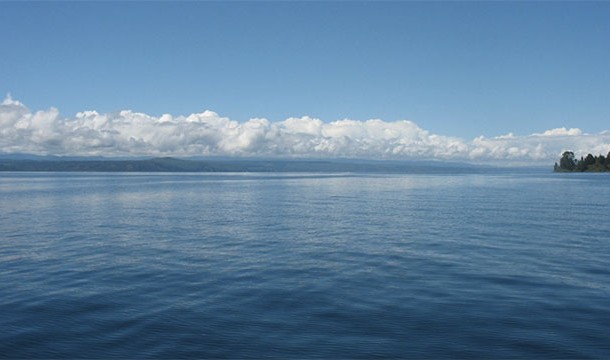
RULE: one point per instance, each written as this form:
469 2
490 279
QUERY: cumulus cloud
561 132
128 133
541 147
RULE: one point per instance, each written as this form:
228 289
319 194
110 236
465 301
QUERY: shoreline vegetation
589 163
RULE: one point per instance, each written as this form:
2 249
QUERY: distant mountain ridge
170 164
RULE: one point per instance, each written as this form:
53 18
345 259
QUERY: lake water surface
494 265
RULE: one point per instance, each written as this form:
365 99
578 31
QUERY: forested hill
589 163
233 165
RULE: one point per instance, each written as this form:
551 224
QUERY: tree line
569 163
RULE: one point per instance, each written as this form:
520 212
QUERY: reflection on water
304 265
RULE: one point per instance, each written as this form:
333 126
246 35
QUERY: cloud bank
128 133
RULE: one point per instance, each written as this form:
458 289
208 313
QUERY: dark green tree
580 165
600 162
567 162
589 160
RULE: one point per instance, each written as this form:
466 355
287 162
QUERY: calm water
304 266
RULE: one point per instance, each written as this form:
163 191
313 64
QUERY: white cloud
561 132
128 133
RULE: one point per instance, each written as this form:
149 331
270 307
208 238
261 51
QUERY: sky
471 81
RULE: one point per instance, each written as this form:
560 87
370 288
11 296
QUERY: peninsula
589 163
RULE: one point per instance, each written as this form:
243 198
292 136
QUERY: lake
497 264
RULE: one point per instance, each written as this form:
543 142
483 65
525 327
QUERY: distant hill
168 164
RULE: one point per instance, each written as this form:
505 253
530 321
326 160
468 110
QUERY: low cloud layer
128 133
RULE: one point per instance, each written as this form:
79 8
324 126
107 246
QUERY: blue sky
460 69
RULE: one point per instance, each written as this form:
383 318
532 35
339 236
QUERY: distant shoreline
168 164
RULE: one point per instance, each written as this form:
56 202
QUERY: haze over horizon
478 82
